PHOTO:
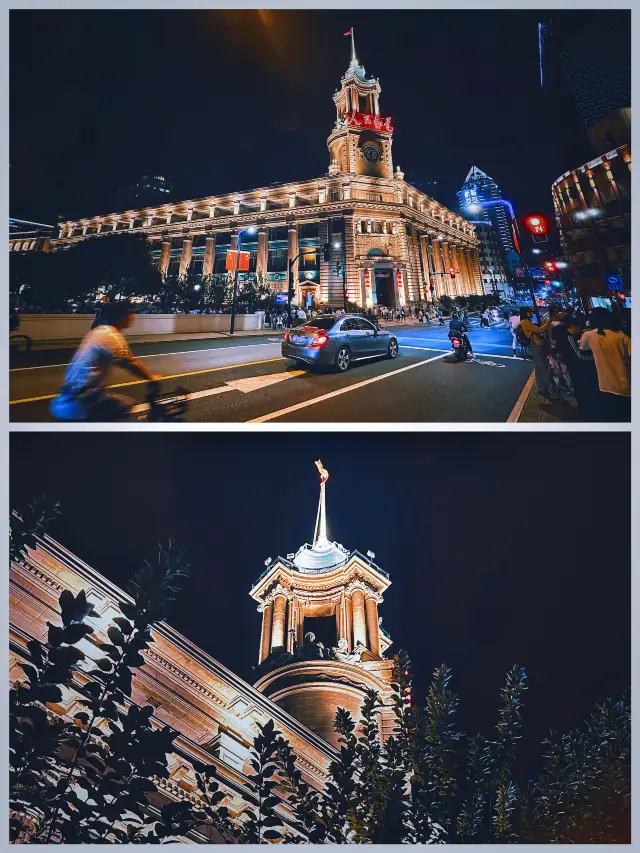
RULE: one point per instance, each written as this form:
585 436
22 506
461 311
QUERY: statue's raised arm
324 474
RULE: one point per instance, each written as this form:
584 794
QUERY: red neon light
356 119
536 224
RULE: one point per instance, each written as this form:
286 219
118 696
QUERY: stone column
348 606
437 263
265 638
185 256
292 251
468 282
212 211
373 629
300 624
291 621
279 621
165 257
209 254
457 281
359 620
339 631
98 228
474 266
263 253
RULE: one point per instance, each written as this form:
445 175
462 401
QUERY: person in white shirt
612 355
84 395
514 322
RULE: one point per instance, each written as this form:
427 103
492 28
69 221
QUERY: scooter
459 346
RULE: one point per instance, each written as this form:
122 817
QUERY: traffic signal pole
291 266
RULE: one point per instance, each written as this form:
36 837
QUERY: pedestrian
100 307
581 367
611 350
403 314
465 317
559 368
514 322
485 318
539 347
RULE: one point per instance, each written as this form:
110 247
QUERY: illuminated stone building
385 238
300 682
593 213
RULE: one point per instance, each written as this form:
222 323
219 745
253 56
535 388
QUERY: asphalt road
247 380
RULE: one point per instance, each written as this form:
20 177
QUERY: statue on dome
324 474
341 653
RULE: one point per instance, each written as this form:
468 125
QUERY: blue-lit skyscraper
480 201
479 188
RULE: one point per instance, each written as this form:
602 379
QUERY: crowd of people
587 358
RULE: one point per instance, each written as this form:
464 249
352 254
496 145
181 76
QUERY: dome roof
322 556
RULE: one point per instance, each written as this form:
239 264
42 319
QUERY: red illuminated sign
536 224
367 278
243 263
399 278
356 119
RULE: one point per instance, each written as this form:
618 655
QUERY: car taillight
286 336
319 341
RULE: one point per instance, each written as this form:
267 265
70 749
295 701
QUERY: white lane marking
251 383
153 355
494 354
444 341
331 394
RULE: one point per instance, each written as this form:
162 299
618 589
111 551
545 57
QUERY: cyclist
84 395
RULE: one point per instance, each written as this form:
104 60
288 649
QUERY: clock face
371 153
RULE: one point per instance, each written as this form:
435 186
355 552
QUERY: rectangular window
308 231
278 234
334 195
277 261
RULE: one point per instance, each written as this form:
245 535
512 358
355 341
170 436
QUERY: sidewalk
532 408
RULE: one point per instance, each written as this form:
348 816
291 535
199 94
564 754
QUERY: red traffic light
550 265
452 272
536 224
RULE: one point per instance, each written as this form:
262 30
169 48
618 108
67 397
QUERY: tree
118 265
87 780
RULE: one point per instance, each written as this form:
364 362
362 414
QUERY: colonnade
444 256
356 615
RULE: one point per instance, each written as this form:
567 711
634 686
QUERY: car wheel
392 352
343 359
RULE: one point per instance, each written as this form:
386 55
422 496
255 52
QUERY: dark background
502 548
222 101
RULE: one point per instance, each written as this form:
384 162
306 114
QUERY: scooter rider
84 395
457 327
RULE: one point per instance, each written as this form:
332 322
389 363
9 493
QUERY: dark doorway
324 627
383 277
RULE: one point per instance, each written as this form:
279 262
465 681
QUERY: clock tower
360 142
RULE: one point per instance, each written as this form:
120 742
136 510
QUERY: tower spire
320 533
354 58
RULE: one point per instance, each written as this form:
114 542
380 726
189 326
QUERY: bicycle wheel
19 343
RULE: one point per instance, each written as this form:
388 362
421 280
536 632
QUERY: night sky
219 101
502 548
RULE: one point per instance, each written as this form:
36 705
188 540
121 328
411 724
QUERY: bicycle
19 344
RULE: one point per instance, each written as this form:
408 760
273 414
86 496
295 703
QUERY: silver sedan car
338 341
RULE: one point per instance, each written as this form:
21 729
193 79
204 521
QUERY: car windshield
321 322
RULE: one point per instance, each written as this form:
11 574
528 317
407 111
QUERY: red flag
350 33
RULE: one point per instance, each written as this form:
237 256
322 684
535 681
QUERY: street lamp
251 229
